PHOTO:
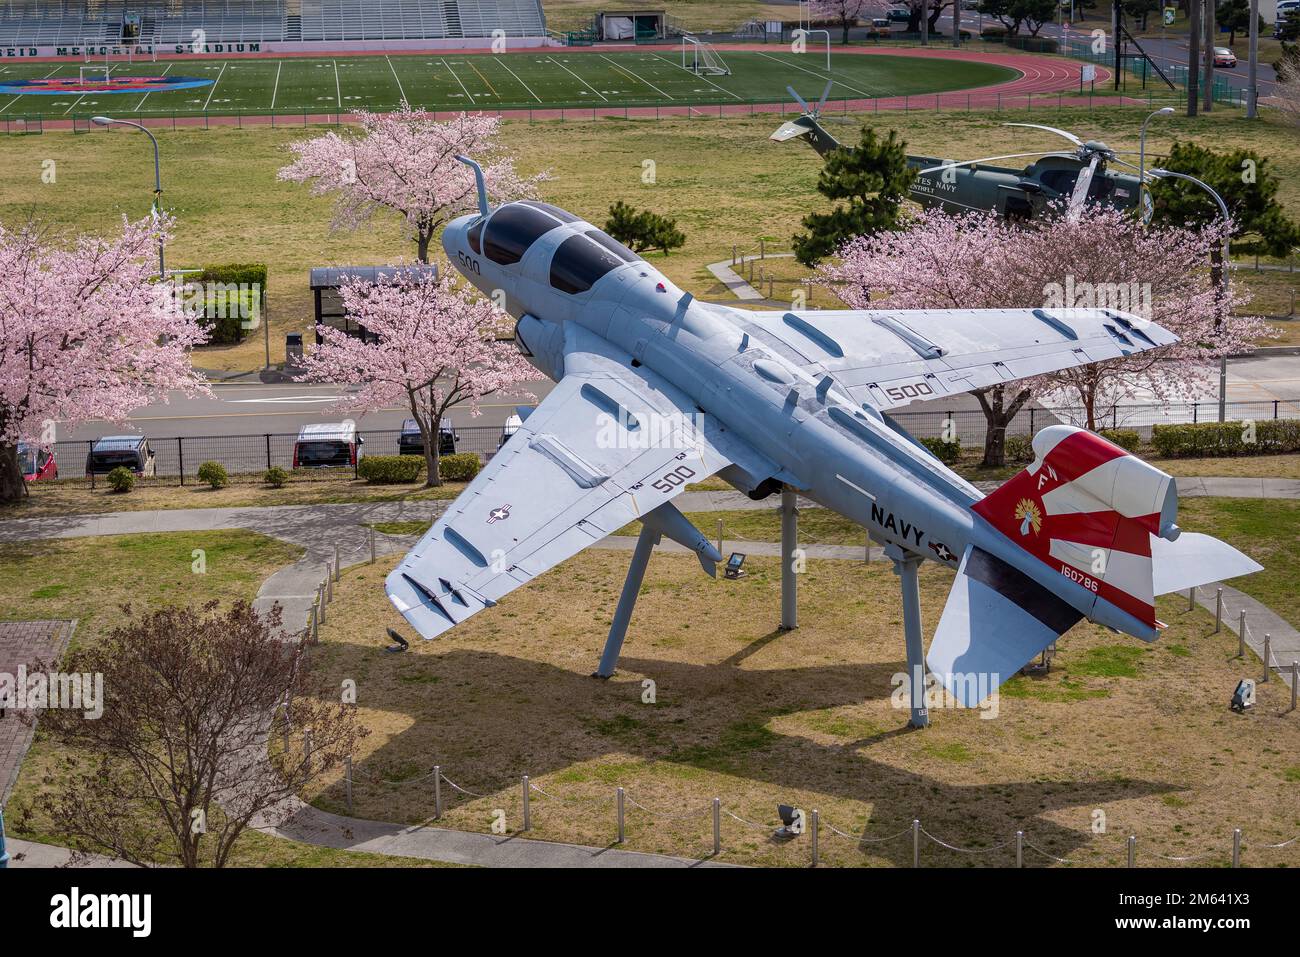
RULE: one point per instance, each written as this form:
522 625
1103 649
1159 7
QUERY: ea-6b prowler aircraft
656 390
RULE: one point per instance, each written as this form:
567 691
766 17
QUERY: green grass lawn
524 80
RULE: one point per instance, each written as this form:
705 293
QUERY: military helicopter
1058 178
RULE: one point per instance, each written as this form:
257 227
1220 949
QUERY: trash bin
293 349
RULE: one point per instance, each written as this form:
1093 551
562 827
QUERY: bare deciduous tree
177 766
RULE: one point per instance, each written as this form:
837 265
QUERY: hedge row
1263 437
228 329
403 469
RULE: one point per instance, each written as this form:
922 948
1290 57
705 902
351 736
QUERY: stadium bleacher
167 22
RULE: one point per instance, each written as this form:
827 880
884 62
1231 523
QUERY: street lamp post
1142 142
1223 209
157 178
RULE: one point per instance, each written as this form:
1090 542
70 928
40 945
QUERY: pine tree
873 178
641 230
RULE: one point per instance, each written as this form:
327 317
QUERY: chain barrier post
437 792
336 561
1268 656
372 546
329 581
916 842
1020 849
619 795
528 818
1236 847
1295 684
1191 598
315 625
717 826
1241 635
1218 611
816 821
1132 848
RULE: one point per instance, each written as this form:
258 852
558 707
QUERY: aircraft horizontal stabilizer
996 620
1195 559
788 131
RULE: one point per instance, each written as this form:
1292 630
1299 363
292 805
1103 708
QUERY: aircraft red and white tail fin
1104 521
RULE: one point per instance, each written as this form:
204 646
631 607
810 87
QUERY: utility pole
1207 91
925 23
1252 83
956 23
1193 55
1114 40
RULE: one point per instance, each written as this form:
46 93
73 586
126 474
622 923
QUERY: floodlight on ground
401 643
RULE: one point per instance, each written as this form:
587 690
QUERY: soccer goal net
96 73
97 50
700 57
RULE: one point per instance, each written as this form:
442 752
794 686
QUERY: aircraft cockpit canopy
584 257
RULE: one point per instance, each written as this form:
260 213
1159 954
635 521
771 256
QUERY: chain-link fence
175 460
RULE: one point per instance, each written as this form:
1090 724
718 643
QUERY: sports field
540 79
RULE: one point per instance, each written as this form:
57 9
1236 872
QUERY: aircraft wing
609 444
888 358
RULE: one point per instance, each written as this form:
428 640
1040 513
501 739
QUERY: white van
327 445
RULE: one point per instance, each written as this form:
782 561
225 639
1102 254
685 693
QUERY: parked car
132 452
410 441
36 462
1224 57
899 14
880 24
510 428
327 445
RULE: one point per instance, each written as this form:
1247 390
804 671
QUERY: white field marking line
224 64
457 78
338 88
395 77
146 96
521 82
698 76
623 69
20 96
578 78
820 76
279 65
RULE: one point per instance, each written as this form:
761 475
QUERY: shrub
390 469
277 477
460 467
121 479
1020 448
946 452
1265 437
1126 439
214 473
221 313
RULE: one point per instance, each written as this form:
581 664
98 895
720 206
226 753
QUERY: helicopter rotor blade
800 100
1050 129
826 95
1080 194
988 159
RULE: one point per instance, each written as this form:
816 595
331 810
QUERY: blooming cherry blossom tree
1105 259
435 347
84 334
406 162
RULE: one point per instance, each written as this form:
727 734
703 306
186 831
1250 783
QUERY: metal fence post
1020 848
1268 655
717 826
1236 847
372 546
336 561
618 792
180 458
916 842
1132 849
1218 611
816 826
437 792
347 780
528 817
90 447
268 450
1241 635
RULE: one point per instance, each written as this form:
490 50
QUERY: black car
410 442
129 451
